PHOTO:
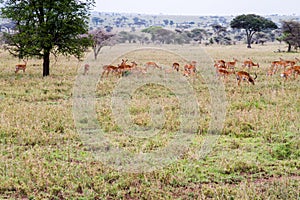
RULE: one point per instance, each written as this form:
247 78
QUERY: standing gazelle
249 63
21 66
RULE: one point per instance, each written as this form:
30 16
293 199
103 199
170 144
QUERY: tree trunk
46 63
95 52
289 47
248 41
249 37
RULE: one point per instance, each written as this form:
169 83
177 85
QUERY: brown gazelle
289 62
21 66
271 71
296 72
275 65
249 63
242 75
224 73
293 70
175 66
109 68
220 63
287 73
190 69
297 68
123 67
152 64
86 69
231 64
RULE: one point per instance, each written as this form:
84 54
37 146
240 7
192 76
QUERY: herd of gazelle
223 68
123 67
227 68
289 68
189 69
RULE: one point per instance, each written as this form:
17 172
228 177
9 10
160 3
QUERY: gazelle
285 63
21 66
190 68
249 63
270 71
109 68
220 63
296 73
278 64
175 66
124 67
152 64
219 66
296 67
287 73
275 63
242 75
224 73
86 69
231 64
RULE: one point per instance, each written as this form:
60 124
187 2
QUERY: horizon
164 14
196 8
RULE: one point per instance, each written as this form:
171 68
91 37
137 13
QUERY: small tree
100 39
45 27
217 28
198 34
252 23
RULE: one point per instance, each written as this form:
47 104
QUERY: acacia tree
252 24
47 26
291 34
100 38
198 34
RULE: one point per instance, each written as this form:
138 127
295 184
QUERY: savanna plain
256 154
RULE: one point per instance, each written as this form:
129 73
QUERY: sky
200 7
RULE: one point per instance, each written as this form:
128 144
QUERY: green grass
256 156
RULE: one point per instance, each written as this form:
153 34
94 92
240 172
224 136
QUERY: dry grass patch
256 156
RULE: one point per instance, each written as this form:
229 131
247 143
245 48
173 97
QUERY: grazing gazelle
242 75
296 72
220 63
190 69
287 73
224 73
152 64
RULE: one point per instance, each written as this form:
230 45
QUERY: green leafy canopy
45 26
252 22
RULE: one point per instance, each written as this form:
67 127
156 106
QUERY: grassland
256 155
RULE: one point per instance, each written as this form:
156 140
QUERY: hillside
121 21
127 20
